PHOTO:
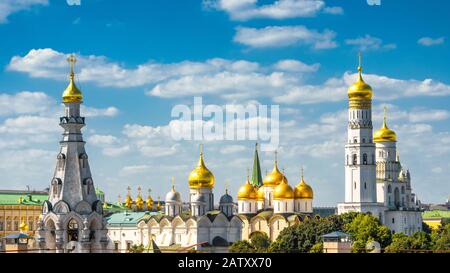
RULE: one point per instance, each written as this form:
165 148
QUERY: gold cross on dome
72 60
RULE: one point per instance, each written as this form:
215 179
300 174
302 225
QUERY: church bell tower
72 217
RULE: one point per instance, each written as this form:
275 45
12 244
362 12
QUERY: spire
360 66
384 118
257 180
200 161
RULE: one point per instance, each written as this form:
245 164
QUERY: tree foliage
441 239
365 228
136 249
242 246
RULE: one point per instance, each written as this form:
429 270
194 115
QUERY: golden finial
129 190
72 60
139 190
384 117
227 184
302 172
201 149
173 183
360 65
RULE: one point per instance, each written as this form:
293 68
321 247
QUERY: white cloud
102 140
231 149
25 103
281 36
243 10
74 2
100 112
296 66
369 43
285 81
116 151
8 7
385 88
427 41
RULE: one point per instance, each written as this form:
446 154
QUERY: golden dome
359 90
283 191
274 178
260 194
23 226
303 190
72 93
149 202
139 201
200 176
128 199
384 134
247 191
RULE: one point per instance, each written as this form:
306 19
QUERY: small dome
384 135
173 196
72 93
226 198
274 178
260 194
200 176
303 191
283 191
247 191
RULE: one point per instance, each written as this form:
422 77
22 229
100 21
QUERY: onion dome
360 90
172 195
384 134
149 201
283 191
158 205
247 191
200 176
260 194
275 177
72 93
139 201
303 190
23 227
226 198
128 199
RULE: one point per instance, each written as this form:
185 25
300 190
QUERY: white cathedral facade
375 181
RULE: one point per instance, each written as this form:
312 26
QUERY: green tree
317 248
260 241
136 249
365 228
400 243
303 236
242 246
441 239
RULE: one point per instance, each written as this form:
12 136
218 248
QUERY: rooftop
430 214
33 198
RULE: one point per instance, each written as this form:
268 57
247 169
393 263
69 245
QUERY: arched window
365 159
389 189
72 230
61 158
355 159
355 140
365 185
364 140
355 185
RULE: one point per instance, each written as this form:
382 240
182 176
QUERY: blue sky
137 59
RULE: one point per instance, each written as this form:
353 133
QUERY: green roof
14 198
128 218
430 214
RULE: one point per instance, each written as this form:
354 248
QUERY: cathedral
200 227
72 217
375 180
270 205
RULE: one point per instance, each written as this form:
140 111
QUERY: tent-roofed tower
257 180
72 216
